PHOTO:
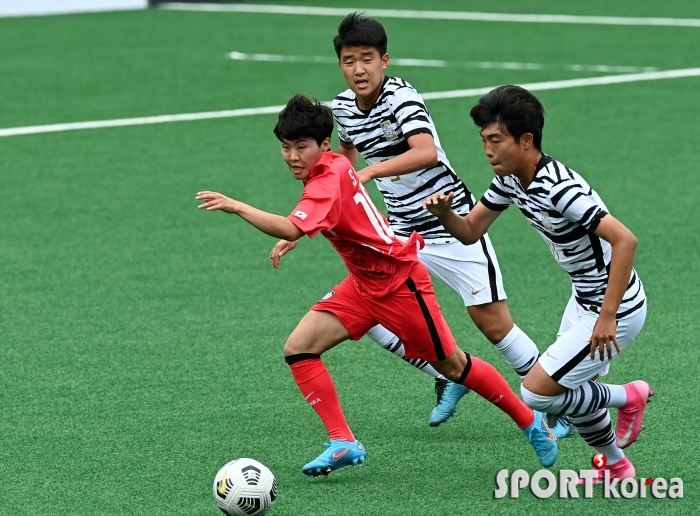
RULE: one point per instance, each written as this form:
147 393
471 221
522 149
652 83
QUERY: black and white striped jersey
381 134
565 211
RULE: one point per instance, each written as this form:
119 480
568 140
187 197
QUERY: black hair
513 108
357 31
304 117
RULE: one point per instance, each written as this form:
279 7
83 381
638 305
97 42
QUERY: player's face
301 155
505 155
363 69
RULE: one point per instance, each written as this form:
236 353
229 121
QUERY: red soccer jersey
336 204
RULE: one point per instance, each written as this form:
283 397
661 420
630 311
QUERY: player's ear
326 144
526 141
385 61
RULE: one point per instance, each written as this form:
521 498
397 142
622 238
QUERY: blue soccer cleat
337 455
560 426
448 395
542 440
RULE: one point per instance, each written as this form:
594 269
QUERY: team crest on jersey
546 221
328 296
389 132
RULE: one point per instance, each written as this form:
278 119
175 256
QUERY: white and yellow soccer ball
245 487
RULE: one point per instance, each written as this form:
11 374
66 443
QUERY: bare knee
316 333
296 345
492 319
495 332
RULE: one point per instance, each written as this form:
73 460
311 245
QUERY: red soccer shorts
411 312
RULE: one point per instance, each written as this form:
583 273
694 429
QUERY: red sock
488 383
317 386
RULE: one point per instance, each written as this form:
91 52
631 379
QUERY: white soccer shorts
470 270
568 360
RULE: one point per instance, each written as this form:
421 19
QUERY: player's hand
216 201
439 204
604 337
365 175
281 248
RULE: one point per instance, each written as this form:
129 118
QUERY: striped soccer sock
596 429
587 398
391 342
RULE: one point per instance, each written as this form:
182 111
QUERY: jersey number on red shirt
377 219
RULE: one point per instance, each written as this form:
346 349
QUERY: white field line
145 120
536 86
435 15
439 63
573 83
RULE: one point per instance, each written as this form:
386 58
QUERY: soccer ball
244 487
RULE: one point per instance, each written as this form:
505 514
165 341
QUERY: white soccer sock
586 399
519 351
383 337
391 342
596 430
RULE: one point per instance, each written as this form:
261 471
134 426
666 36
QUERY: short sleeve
410 112
319 206
343 134
574 199
496 198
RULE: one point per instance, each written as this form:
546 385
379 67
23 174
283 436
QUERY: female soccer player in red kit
386 284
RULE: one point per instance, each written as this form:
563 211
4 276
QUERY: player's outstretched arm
269 223
623 244
349 151
422 154
467 229
281 248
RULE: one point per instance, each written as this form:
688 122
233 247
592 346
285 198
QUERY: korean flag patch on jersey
300 214
327 296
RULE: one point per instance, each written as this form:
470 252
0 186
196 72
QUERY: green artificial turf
141 339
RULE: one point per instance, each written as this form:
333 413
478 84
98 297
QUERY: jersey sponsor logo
388 130
300 214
